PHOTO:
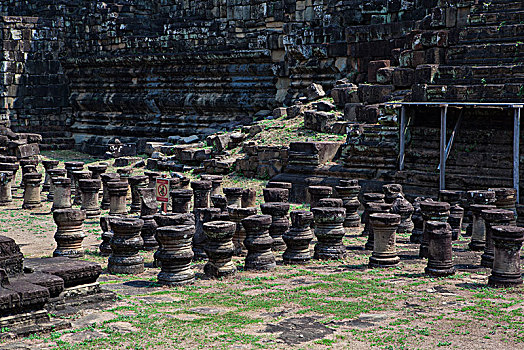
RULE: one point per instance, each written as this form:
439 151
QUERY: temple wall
151 69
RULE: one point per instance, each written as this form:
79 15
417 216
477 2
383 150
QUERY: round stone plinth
233 196
258 243
125 244
298 238
69 233
440 262
494 217
175 255
181 200
384 226
316 193
219 248
329 231
275 195
201 192
506 270
431 211
279 222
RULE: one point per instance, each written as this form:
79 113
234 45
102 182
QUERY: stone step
492 34
486 54
510 92
495 18
453 75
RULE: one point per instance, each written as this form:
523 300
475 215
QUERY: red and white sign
162 190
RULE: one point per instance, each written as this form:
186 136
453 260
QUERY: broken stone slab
74 272
27 150
319 121
314 92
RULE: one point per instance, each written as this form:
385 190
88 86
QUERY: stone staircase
484 60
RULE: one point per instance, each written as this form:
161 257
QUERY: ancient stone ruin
219 143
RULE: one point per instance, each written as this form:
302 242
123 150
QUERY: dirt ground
321 305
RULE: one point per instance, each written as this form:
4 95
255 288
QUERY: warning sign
162 190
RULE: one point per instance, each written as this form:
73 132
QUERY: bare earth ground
322 305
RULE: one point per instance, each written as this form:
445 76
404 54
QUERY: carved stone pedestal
494 217
13 169
258 243
48 165
90 189
106 177
69 234
125 244
70 167
175 255
456 212
483 197
298 238
276 195
117 197
220 202
148 209
181 200
349 195
329 230
506 198
236 215
391 192
219 248
53 174
152 176
330 203
6 195
366 199
506 264
418 222
279 222
233 196
107 235
385 227
478 226
62 193
125 174
316 193
403 207
374 208
32 198
201 192
216 183
439 249
432 211
77 176
97 170
249 198
28 165
276 184
202 215
136 183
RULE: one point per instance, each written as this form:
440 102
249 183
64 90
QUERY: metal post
516 151
402 137
443 117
